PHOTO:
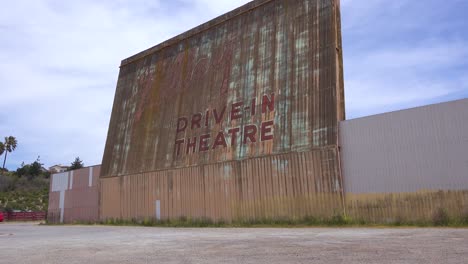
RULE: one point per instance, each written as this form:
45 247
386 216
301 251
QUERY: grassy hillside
23 193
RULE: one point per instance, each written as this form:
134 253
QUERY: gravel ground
33 243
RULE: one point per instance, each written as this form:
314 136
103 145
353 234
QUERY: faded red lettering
191 145
219 118
268 103
179 143
204 143
220 140
184 121
249 133
236 112
196 119
266 131
207 116
233 132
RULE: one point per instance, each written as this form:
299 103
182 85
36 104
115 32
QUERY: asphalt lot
33 243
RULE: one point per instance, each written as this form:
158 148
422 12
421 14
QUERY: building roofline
406 109
197 30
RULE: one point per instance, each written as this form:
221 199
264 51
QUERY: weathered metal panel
79 201
263 79
53 210
72 198
407 163
110 198
286 186
60 181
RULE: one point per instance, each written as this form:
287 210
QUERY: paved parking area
32 243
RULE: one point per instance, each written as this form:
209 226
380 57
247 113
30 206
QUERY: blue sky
59 62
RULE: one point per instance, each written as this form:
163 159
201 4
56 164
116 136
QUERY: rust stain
286 186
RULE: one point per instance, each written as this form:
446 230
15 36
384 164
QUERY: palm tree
2 148
9 145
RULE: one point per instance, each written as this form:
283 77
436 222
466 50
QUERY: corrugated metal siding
291 49
288 186
53 211
406 207
71 197
407 163
407 151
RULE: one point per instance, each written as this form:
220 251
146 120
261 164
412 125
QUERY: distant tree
10 145
23 170
77 164
35 168
46 174
32 170
2 150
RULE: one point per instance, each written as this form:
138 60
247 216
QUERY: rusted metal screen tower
234 119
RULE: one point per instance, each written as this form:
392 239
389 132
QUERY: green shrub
464 217
311 221
440 217
338 220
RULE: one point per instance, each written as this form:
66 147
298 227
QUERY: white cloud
396 78
400 54
59 62
430 55
59 67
